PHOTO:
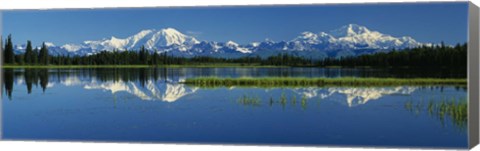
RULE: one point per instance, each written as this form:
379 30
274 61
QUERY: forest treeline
423 56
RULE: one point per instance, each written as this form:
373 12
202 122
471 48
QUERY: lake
152 105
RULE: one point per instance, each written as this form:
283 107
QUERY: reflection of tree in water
8 82
441 88
36 76
43 75
140 75
31 77
454 109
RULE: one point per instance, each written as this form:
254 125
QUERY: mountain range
347 40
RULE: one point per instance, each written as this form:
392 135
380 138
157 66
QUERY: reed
249 101
453 109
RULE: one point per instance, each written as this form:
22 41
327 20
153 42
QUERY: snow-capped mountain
151 39
350 39
164 39
347 40
355 36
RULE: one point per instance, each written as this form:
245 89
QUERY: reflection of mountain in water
163 84
151 90
354 96
171 90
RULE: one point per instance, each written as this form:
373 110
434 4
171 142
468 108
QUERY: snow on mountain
71 47
150 39
254 44
152 90
20 47
234 46
307 38
350 39
347 40
350 30
357 96
354 36
49 44
354 96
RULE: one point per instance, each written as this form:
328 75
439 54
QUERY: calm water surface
150 105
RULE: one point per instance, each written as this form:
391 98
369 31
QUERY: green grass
282 100
205 65
299 82
454 109
249 101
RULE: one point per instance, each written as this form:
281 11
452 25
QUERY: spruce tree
155 58
35 56
28 53
43 56
9 56
142 56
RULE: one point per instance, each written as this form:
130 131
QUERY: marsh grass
304 102
301 82
249 101
294 100
453 109
282 101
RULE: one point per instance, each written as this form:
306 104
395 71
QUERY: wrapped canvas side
1 76
473 75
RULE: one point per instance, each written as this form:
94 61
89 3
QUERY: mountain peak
170 30
356 28
231 43
306 37
350 30
144 32
308 34
268 40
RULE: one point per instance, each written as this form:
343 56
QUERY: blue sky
425 22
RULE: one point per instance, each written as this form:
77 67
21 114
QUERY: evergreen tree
155 58
19 59
35 54
9 56
143 56
43 56
28 53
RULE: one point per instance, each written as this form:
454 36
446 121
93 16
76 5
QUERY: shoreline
319 82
